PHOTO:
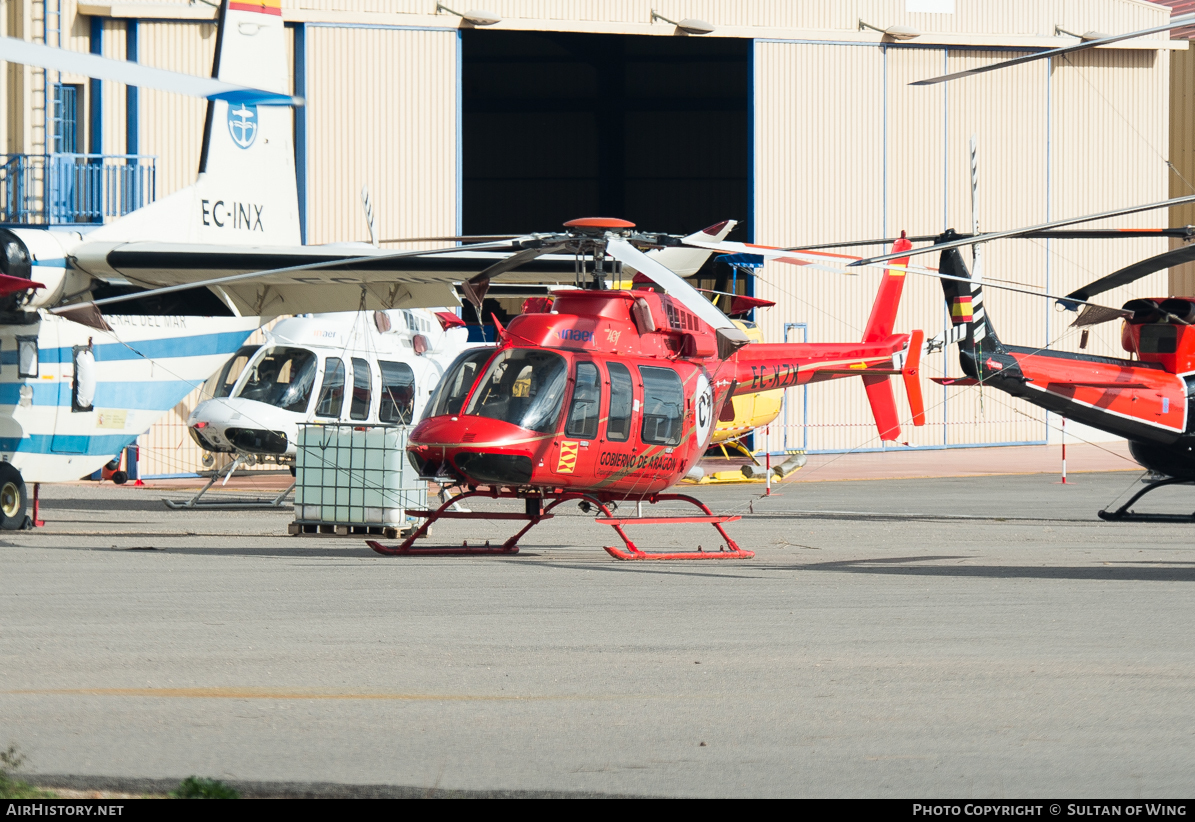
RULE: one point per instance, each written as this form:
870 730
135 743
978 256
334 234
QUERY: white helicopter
341 367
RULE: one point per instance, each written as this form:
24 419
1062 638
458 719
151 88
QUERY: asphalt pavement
979 637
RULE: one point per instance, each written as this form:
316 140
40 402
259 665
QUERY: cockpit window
522 386
282 377
454 387
232 370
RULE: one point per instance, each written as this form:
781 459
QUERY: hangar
795 118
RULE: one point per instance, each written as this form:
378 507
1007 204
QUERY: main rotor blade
233 278
1019 232
1175 22
1184 233
675 285
13 50
474 238
515 260
1132 273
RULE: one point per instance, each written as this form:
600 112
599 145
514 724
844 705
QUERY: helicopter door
331 393
616 447
579 445
397 404
362 397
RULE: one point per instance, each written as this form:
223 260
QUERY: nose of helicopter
229 424
476 449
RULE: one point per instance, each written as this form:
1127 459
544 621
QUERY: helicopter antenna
976 250
371 220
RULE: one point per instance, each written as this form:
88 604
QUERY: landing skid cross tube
537 512
1123 514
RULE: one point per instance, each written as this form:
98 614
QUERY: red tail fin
883 311
913 379
883 405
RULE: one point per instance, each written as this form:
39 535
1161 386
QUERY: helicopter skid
537 514
1123 514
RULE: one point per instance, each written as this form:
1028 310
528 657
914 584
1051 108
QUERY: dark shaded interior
559 125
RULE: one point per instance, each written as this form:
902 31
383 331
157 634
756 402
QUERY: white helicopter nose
248 426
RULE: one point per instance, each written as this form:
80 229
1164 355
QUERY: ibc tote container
354 479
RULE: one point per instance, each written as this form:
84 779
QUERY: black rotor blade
515 260
1134 272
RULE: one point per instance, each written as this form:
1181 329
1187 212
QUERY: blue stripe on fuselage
156 395
68 446
198 345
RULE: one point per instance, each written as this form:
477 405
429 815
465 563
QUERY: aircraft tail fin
883 310
246 192
971 327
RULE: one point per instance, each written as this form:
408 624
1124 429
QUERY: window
1159 339
83 384
282 377
27 356
524 387
587 398
66 118
454 387
663 405
362 382
398 393
232 371
618 427
331 393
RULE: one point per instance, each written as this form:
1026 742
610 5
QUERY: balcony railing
58 189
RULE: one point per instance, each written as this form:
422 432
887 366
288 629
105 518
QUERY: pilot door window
283 377
587 399
398 393
663 406
523 387
331 393
622 392
359 407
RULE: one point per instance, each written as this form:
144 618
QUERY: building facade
788 116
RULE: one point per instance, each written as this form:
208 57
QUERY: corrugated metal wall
382 111
1182 154
171 124
1053 142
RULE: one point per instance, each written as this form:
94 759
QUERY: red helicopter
611 395
1147 399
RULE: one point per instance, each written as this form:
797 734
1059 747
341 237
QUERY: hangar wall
1053 141
843 148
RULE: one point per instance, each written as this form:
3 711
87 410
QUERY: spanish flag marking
259 6
960 310
568 457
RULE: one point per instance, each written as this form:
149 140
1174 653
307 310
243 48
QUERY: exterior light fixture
1087 37
895 32
477 18
689 25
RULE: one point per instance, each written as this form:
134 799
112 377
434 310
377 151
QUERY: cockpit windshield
282 377
454 387
523 386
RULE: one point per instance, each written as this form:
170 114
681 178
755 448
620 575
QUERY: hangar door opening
559 125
